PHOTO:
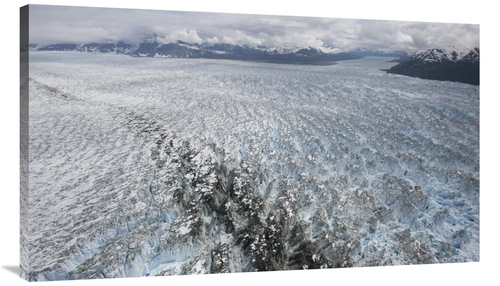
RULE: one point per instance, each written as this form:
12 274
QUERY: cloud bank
64 24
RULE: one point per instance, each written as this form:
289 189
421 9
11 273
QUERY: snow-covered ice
150 166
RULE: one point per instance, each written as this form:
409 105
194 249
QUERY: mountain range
457 64
152 46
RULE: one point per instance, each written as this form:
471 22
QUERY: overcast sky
62 24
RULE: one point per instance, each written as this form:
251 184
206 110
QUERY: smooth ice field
148 166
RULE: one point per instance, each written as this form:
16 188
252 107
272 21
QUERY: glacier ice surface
143 167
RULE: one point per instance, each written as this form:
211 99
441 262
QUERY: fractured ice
143 167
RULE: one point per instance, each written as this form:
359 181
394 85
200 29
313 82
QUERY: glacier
150 167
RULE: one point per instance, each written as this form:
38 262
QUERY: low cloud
213 40
190 36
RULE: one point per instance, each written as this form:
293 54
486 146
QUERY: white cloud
240 37
213 40
190 36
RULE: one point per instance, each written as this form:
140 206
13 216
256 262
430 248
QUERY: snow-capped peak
193 46
285 49
450 53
